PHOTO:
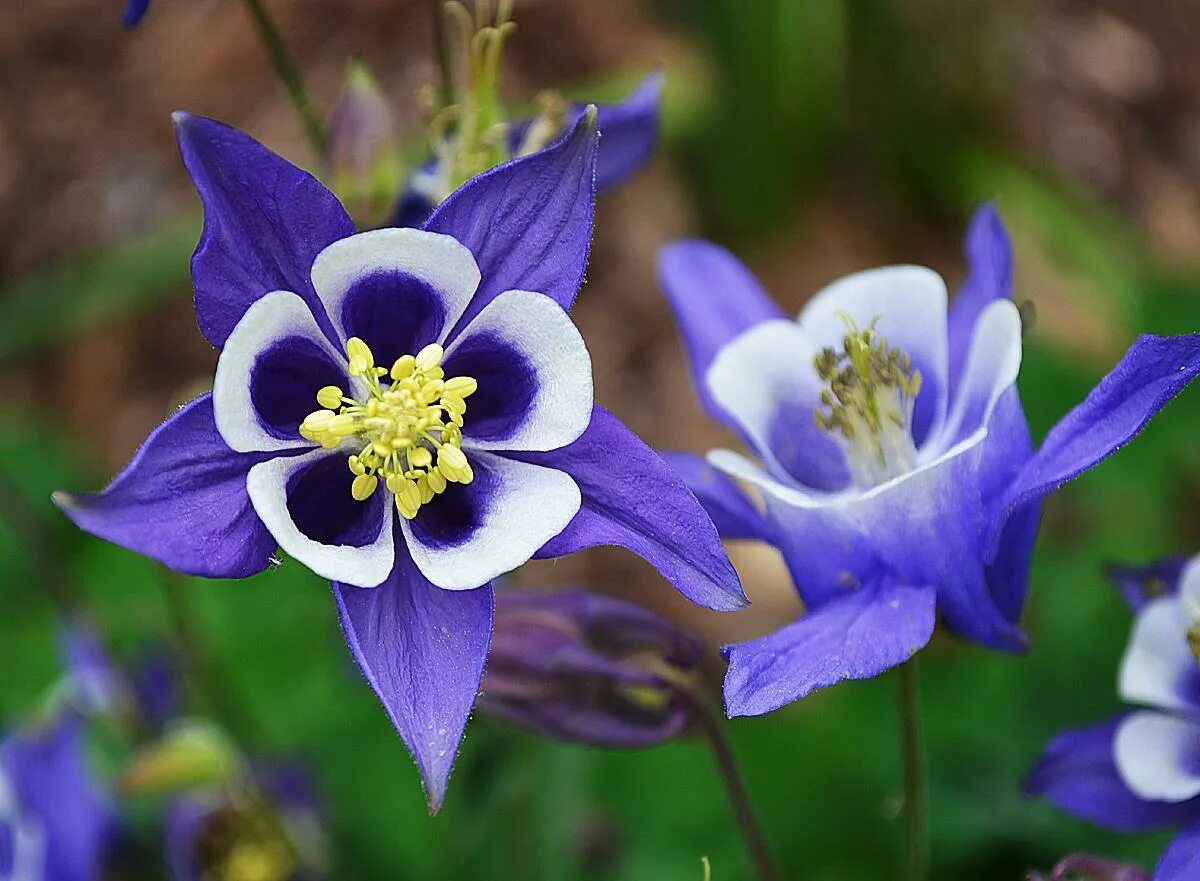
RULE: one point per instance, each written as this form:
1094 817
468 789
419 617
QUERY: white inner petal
1158 667
439 260
1156 756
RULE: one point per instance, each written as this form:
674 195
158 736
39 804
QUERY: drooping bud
193 754
587 668
1088 868
363 152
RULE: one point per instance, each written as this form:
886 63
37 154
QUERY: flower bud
363 155
1088 868
588 668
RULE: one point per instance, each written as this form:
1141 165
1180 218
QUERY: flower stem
437 14
916 821
34 536
288 73
712 726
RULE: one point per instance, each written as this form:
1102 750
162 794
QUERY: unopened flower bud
363 155
588 668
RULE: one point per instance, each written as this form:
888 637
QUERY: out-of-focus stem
712 726
437 15
288 73
916 822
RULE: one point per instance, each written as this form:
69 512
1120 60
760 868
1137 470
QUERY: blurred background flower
813 139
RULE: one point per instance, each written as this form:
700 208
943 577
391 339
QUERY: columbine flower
55 822
586 668
1138 771
404 410
896 468
471 136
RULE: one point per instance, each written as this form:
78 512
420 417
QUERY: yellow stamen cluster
245 844
868 401
410 430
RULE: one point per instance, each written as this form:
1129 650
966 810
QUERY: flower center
867 404
408 433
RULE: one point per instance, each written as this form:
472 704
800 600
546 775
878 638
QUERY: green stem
33 535
288 72
916 821
437 14
712 726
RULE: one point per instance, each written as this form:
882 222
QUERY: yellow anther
342 425
461 386
404 367
330 397
429 358
380 449
453 464
408 500
356 465
361 359
317 421
363 486
419 457
437 483
426 490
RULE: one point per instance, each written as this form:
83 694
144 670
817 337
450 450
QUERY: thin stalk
437 14
712 726
288 73
34 537
912 746
198 662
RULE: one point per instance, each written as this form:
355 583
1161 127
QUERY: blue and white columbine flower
895 466
407 412
1140 770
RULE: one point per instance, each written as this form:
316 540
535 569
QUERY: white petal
1156 755
1158 668
277 316
534 337
439 260
992 367
366 566
516 508
765 379
908 304
1189 588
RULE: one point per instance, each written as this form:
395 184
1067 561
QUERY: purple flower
587 668
55 822
407 412
894 462
273 826
135 11
630 135
1139 770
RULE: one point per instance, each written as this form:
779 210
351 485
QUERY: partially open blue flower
270 832
407 412
587 668
1140 770
894 462
55 822
629 131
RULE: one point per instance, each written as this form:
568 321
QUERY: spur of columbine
1138 771
406 412
895 468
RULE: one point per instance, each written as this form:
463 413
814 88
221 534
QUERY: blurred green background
814 138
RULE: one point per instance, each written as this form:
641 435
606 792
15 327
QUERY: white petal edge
1157 660
1189 588
1155 755
276 316
739 467
534 504
440 260
993 365
540 329
366 566
910 303
751 374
